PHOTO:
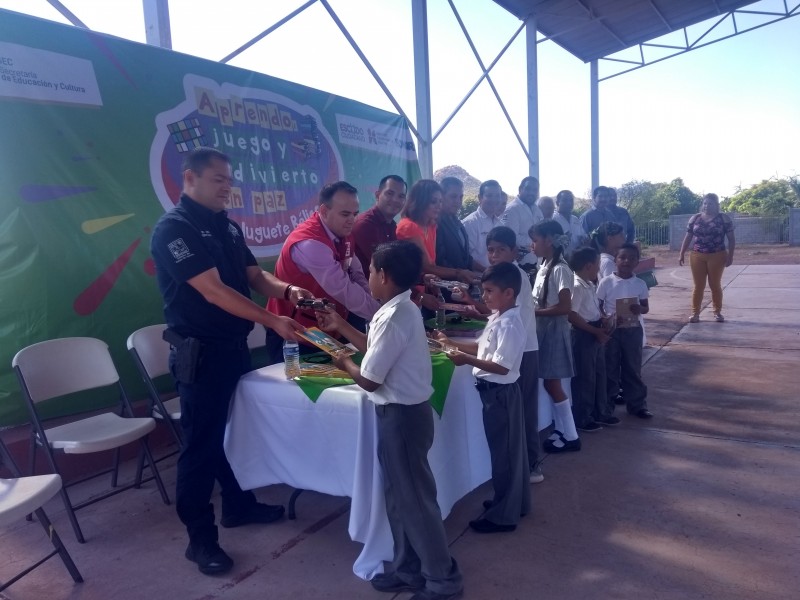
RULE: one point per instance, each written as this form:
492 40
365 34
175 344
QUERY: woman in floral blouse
709 257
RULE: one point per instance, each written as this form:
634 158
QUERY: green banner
94 130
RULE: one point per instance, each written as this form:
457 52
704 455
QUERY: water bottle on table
291 359
441 318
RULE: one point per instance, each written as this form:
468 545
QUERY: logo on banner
281 156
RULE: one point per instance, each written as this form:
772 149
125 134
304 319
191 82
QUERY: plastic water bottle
441 319
291 359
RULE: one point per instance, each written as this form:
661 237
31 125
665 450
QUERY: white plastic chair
21 496
59 367
151 354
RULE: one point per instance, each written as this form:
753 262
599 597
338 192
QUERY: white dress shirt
572 228
397 354
584 299
520 218
612 288
502 342
478 226
526 311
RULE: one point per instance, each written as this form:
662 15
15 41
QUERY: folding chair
22 495
65 366
151 354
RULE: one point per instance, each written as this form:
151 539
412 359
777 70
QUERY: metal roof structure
594 29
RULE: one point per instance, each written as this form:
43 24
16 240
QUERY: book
325 370
435 346
625 318
325 342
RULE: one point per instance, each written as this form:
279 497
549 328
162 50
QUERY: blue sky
720 117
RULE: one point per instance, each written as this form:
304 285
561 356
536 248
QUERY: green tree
770 198
648 201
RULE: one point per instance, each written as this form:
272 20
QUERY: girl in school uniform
552 296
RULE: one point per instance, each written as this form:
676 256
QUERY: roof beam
67 13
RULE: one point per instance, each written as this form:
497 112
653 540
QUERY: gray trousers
589 393
529 387
421 554
504 423
624 368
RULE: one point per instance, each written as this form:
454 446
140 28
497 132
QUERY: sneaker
391 582
562 445
719 318
612 420
210 558
695 318
536 475
257 513
590 426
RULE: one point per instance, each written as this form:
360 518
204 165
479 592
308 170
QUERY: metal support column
422 85
595 124
156 23
533 97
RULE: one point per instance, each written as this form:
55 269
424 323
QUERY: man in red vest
319 256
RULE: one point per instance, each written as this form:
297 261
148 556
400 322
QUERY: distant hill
471 184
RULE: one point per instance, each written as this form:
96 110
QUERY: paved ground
700 502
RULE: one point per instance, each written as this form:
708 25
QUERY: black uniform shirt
191 239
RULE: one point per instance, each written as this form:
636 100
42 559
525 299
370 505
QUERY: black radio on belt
187 355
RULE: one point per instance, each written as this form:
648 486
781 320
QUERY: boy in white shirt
396 371
590 407
496 360
501 246
624 349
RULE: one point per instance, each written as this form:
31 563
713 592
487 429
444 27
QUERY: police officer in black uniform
205 273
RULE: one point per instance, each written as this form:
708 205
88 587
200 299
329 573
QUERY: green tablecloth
443 369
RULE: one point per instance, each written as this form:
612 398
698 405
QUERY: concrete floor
700 502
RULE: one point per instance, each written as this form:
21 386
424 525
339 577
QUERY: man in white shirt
521 214
565 202
483 220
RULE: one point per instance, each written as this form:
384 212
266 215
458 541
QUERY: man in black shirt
205 273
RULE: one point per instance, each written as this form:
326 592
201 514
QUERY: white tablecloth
276 434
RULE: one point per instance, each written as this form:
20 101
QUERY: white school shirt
584 299
520 217
526 308
572 228
561 279
613 287
502 342
607 265
397 354
478 225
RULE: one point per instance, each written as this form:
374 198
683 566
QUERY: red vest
286 270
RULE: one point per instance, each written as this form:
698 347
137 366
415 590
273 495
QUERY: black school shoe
391 582
210 558
566 446
590 426
612 420
643 413
486 526
256 513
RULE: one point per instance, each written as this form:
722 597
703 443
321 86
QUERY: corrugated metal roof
592 29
